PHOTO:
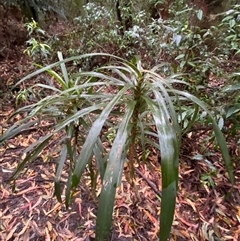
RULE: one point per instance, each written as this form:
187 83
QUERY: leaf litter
33 213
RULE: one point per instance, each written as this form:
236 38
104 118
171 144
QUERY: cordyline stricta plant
138 104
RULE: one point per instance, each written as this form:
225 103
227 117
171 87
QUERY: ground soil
205 210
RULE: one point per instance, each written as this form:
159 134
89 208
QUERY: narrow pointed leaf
111 178
78 115
68 189
101 160
169 148
50 66
16 130
60 164
94 132
193 119
31 156
63 68
98 152
57 191
49 87
219 135
168 100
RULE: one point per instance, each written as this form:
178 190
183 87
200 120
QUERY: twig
151 184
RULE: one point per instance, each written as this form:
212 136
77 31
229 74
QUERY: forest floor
208 207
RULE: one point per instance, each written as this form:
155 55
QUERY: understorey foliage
142 107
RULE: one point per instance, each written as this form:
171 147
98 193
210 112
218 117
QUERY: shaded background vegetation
198 38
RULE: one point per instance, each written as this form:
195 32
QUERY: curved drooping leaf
99 152
56 64
92 137
32 155
112 176
169 148
219 135
232 110
163 86
77 115
16 129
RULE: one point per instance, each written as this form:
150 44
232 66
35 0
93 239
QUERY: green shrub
36 48
140 102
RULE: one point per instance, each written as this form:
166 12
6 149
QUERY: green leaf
193 119
169 99
98 151
169 146
100 158
231 110
77 115
48 67
180 56
60 164
63 68
112 176
57 191
92 74
15 130
232 87
232 23
120 71
92 137
219 135
32 156
48 87
58 78
69 188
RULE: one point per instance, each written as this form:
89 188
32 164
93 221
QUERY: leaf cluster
138 103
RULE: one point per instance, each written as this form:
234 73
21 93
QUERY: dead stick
151 184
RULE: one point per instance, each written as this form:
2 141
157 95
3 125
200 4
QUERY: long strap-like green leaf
169 147
92 137
112 175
